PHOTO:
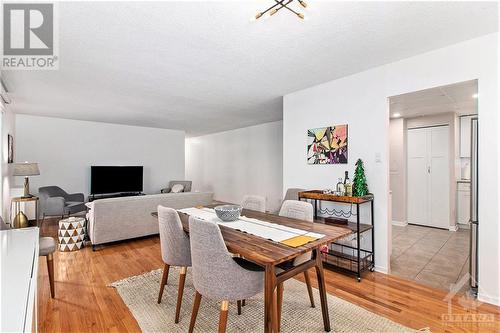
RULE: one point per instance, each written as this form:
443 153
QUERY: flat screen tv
115 179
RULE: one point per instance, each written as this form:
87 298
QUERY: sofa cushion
177 188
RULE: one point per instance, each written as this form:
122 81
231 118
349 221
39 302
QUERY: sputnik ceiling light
280 4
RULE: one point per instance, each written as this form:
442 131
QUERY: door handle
428 169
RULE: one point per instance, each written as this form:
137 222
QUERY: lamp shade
26 169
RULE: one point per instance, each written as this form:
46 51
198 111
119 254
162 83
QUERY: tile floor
433 257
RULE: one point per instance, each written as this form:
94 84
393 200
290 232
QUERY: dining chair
292 194
254 202
216 274
175 251
47 247
304 211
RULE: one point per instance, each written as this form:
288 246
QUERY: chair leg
180 292
243 303
309 288
194 313
50 267
239 307
164 280
223 316
280 304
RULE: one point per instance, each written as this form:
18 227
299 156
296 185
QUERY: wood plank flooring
84 303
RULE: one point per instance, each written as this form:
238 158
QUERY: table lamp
26 169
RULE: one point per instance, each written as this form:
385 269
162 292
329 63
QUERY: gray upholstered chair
216 274
3 225
47 246
175 251
54 201
304 211
254 202
185 183
293 193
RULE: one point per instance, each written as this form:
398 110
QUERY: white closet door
428 191
439 163
417 176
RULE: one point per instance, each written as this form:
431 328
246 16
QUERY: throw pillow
177 188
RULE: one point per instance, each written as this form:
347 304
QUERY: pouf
71 234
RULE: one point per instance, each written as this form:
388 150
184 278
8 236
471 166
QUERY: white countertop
18 265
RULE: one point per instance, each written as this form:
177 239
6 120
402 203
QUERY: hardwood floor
84 303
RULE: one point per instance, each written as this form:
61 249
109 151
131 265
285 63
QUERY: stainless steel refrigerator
474 222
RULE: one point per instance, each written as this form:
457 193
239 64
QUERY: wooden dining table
268 254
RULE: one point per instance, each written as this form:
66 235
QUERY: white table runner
268 230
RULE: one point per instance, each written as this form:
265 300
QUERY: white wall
7 127
65 150
238 162
397 169
361 100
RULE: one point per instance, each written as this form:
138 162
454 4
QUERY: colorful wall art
327 145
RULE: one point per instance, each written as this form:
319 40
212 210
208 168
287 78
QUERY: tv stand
93 197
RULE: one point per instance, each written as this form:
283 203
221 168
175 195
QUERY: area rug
140 294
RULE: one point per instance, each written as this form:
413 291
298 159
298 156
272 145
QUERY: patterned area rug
140 294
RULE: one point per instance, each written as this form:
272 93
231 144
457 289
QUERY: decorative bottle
340 187
347 185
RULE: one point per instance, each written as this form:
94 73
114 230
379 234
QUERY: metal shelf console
360 259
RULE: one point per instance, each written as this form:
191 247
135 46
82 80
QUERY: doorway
430 183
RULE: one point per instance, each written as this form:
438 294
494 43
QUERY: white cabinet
18 279
428 179
463 202
465 136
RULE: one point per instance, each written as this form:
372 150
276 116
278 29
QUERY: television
115 179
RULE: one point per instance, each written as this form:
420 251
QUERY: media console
93 197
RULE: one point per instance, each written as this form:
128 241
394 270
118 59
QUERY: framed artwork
327 145
10 145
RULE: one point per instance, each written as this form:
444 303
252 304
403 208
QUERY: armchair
54 201
185 183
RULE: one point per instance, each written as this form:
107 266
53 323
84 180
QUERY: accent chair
54 201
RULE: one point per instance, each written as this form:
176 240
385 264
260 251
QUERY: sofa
116 219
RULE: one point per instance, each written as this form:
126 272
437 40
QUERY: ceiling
459 98
205 67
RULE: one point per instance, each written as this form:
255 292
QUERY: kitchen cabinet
463 202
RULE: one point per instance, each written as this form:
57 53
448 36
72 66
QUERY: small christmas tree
360 188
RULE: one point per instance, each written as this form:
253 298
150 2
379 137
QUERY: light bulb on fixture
396 115
300 15
272 12
258 16
303 3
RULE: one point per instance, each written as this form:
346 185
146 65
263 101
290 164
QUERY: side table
17 216
71 234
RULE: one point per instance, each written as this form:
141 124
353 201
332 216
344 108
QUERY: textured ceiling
205 67
459 98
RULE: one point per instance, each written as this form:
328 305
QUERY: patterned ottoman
71 234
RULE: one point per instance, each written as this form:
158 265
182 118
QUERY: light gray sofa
115 219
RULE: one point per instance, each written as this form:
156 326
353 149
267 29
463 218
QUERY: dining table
269 254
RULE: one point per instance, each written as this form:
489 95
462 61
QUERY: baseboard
400 223
381 269
453 228
488 299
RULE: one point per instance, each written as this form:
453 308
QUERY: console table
347 257
18 277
